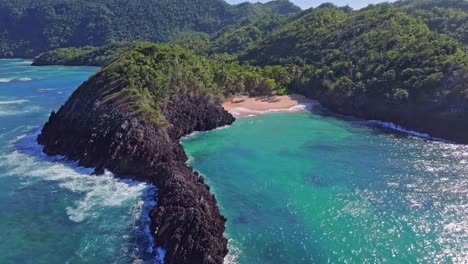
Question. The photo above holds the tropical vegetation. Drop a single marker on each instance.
(29, 27)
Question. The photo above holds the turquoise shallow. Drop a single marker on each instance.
(316, 188)
(296, 188)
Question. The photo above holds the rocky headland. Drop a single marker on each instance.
(120, 121)
(446, 119)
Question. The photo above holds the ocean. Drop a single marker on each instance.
(314, 187)
(308, 187)
(53, 211)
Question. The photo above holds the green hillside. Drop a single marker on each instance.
(153, 73)
(379, 52)
(90, 56)
(28, 27)
(448, 17)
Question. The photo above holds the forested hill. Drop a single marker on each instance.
(380, 51)
(29, 27)
(385, 62)
(448, 17)
(405, 62)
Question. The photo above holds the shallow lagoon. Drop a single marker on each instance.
(312, 187)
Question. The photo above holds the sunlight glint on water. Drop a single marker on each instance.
(314, 188)
(296, 188)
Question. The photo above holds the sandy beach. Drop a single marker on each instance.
(243, 106)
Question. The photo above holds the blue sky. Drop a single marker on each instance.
(356, 4)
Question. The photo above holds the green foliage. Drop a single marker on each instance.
(282, 7)
(403, 53)
(239, 38)
(28, 27)
(196, 41)
(150, 74)
(282, 91)
(448, 17)
(379, 52)
(91, 56)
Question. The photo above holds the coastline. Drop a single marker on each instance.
(103, 137)
(244, 106)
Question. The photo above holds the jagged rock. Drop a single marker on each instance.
(102, 133)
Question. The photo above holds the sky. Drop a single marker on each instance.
(304, 4)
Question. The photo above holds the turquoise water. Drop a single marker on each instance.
(296, 188)
(316, 188)
(51, 210)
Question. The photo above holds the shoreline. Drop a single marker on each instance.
(244, 106)
(184, 202)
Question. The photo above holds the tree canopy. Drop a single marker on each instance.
(402, 62)
(380, 52)
(28, 27)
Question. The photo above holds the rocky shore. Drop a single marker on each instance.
(444, 120)
(96, 128)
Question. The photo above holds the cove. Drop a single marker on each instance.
(312, 187)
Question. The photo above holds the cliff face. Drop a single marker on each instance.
(447, 119)
(98, 127)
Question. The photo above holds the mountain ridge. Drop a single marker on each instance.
(28, 27)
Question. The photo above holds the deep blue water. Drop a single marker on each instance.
(51, 210)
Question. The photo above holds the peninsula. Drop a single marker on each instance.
(129, 118)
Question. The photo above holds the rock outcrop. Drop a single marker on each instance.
(446, 120)
(99, 127)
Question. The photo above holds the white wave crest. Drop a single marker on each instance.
(99, 191)
(13, 102)
(234, 252)
(22, 79)
(407, 131)
(7, 110)
(245, 112)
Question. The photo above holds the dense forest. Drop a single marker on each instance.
(153, 73)
(387, 51)
(28, 27)
(448, 17)
(380, 51)
(404, 62)
(383, 62)
(90, 56)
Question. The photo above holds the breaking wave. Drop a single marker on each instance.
(23, 79)
(98, 193)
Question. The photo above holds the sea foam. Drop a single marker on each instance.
(6, 80)
(12, 110)
(12, 102)
(407, 131)
(99, 192)
(234, 252)
(22, 79)
(241, 111)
